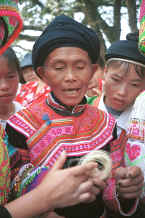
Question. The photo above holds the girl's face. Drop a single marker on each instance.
(29, 74)
(8, 81)
(122, 86)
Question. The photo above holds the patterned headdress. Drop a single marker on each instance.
(10, 23)
(142, 27)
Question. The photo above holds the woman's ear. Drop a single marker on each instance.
(105, 70)
(40, 72)
(95, 67)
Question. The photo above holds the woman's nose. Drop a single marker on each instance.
(70, 75)
(122, 90)
(4, 84)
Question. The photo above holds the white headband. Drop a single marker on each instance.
(126, 60)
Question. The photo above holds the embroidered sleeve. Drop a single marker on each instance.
(15, 138)
(27, 179)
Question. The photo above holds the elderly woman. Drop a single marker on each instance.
(80, 179)
(8, 33)
(65, 57)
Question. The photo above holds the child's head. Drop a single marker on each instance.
(124, 73)
(27, 73)
(9, 76)
(65, 57)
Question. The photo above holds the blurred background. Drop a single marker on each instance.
(111, 19)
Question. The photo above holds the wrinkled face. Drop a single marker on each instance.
(122, 86)
(8, 82)
(67, 70)
(29, 74)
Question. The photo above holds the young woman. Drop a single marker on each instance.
(9, 79)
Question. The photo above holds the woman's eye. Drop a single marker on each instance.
(59, 68)
(80, 67)
(11, 76)
(115, 79)
(135, 85)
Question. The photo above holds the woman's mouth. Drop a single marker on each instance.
(119, 101)
(6, 96)
(72, 91)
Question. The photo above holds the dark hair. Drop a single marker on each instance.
(101, 62)
(21, 78)
(139, 69)
(13, 61)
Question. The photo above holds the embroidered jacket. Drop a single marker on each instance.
(46, 128)
(28, 93)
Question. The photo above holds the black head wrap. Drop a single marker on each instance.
(126, 49)
(61, 32)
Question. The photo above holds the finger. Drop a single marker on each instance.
(83, 169)
(95, 190)
(130, 195)
(99, 183)
(89, 187)
(120, 173)
(134, 171)
(60, 162)
(131, 189)
(87, 197)
(137, 181)
(85, 187)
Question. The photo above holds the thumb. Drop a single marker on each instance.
(120, 173)
(60, 162)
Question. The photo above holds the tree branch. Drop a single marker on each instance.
(32, 27)
(21, 47)
(131, 6)
(28, 37)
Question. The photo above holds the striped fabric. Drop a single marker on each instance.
(142, 27)
(48, 133)
(76, 135)
(4, 170)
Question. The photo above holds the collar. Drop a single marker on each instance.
(62, 109)
(122, 119)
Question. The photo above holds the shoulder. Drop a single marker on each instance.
(101, 118)
(96, 110)
(17, 106)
